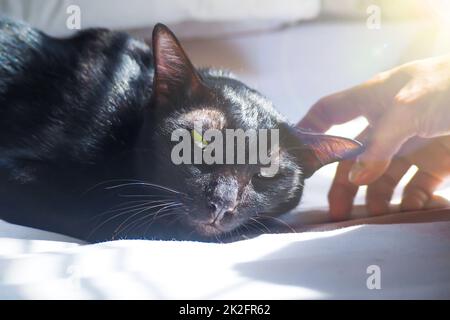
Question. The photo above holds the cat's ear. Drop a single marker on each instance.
(174, 72)
(317, 150)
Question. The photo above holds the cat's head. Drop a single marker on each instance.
(216, 198)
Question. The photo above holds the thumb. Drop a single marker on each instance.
(386, 138)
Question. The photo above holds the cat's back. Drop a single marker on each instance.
(19, 43)
(68, 98)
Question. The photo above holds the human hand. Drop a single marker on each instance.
(408, 110)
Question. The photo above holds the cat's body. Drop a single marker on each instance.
(65, 118)
(85, 124)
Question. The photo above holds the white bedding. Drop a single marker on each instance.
(414, 262)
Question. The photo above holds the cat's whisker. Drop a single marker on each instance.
(161, 216)
(262, 224)
(135, 182)
(232, 235)
(123, 204)
(110, 219)
(108, 181)
(250, 224)
(167, 196)
(280, 221)
(169, 207)
(134, 224)
(178, 216)
(135, 214)
(148, 201)
(240, 235)
(218, 239)
(123, 210)
(259, 230)
(154, 216)
(246, 228)
(146, 184)
(128, 211)
(122, 207)
(164, 209)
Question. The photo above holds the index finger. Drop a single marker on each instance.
(334, 109)
(342, 192)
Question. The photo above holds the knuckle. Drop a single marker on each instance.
(379, 78)
(401, 102)
(403, 119)
(416, 192)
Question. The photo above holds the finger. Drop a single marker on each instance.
(430, 155)
(342, 192)
(379, 193)
(334, 109)
(419, 191)
(437, 202)
(365, 99)
(387, 137)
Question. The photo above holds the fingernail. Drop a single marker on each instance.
(357, 173)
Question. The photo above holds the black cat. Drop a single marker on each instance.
(85, 140)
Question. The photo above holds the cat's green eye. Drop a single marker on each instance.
(198, 139)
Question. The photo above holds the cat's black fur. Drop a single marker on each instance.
(85, 126)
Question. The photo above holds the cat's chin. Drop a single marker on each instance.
(209, 230)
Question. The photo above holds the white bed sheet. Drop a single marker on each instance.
(414, 262)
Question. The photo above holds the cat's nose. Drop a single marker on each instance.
(220, 212)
